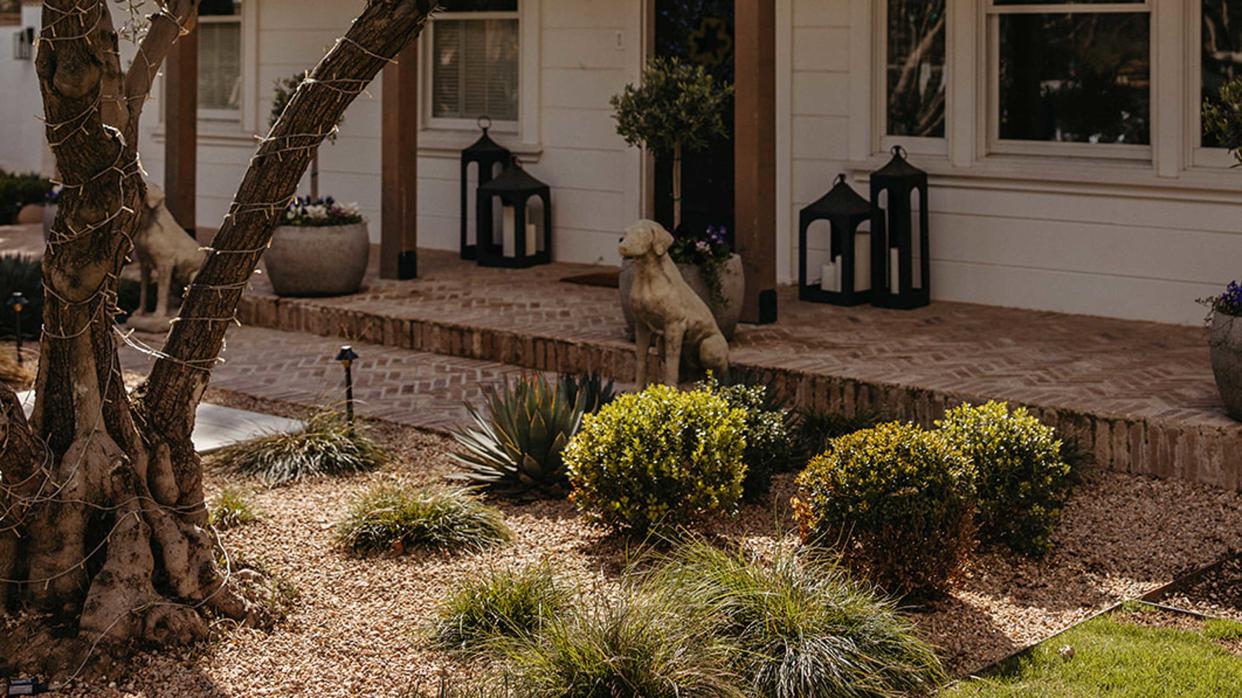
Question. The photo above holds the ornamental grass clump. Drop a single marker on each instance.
(399, 519)
(503, 604)
(1021, 480)
(231, 508)
(799, 626)
(329, 445)
(641, 645)
(659, 459)
(895, 501)
(515, 446)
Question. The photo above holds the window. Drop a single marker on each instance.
(1221, 59)
(915, 68)
(219, 59)
(475, 61)
(1070, 72)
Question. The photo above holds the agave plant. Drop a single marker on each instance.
(595, 393)
(515, 448)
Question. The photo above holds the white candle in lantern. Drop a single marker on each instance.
(862, 261)
(532, 241)
(509, 232)
(894, 270)
(828, 277)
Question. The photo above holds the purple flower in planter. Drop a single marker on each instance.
(1228, 303)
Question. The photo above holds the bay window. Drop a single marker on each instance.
(475, 63)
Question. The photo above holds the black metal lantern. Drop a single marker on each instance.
(840, 279)
(488, 155)
(523, 240)
(900, 259)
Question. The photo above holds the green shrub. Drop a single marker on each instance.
(328, 445)
(813, 430)
(897, 503)
(18, 190)
(230, 509)
(503, 604)
(399, 519)
(638, 646)
(1021, 481)
(767, 443)
(658, 459)
(516, 448)
(800, 627)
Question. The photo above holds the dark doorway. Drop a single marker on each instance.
(701, 32)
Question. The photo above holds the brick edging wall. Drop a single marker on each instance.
(1160, 448)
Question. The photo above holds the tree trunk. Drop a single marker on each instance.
(102, 520)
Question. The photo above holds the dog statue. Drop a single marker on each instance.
(664, 304)
(165, 251)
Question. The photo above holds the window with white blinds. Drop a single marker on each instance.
(476, 61)
(219, 58)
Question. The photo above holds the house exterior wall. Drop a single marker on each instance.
(1135, 240)
(21, 141)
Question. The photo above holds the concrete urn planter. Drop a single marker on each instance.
(318, 261)
(732, 284)
(1226, 342)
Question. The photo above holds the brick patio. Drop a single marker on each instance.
(1139, 395)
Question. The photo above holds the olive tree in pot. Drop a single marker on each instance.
(321, 247)
(679, 108)
(1222, 118)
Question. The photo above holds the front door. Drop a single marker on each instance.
(701, 32)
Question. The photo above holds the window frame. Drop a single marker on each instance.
(990, 104)
(230, 116)
(884, 142)
(1199, 155)
(432, 122)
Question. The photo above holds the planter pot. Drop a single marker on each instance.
(1226, 342)
(732, 284)
(49, 217)
(30, 214)
(325, 261)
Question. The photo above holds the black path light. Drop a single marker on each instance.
(897, 245)
(847, 268)
(523, 242)
(347, 356)
(488, 156)
(17, 303)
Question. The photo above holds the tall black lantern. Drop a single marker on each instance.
(520, 242)
(844, 210)
(900, 259)
(489, 156)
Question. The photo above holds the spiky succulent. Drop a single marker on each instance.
(514, 448)
(595, 393)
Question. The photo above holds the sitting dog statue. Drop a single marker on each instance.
(165, 251)
(664, 304)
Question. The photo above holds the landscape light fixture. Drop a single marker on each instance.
(347, 356)
(17, 303)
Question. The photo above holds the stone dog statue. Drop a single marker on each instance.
(165, 251)
(664, 304)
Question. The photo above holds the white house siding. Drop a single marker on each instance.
(21, 135)
(1145, 250)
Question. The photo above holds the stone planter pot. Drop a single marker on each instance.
(732, 283)
(318, 261)
(1226, 341)
(49, 217)
(30, 214)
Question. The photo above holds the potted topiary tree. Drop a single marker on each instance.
(679, 108)
(1223, 119)
(322, 247)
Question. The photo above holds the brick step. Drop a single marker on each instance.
(1180, 446)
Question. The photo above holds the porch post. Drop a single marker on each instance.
(399, 166)
(181, 130)
(755, 154)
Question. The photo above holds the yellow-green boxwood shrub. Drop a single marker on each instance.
(1021, 480)
(661, 458)
(897, 503)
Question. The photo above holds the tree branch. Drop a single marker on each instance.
(174, 18)
(176, 383)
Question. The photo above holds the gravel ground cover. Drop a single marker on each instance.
(1218, 594)
(360, 627)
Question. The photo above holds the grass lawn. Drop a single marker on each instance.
(1139, 652)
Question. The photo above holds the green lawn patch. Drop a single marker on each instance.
(1130, 654)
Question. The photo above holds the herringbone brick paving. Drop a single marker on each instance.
(1139, 395)
(415, 388)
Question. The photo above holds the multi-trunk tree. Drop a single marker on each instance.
(102, 521)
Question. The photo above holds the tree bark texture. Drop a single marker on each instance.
(102, 519)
